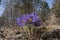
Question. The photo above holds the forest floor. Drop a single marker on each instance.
(54, 27)
(16, 33)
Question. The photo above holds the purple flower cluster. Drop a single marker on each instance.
(32, 18)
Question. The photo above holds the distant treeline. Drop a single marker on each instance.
(16, 8)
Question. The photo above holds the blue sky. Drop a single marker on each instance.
(2, 6)
(3, 3)
(50, 2)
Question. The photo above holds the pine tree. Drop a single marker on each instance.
(27, 6)
(44, 10)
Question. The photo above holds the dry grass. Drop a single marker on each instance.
(35, 33)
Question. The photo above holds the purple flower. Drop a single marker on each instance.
(21, 21)
(37, 23)
(35, 19)
(32, 18)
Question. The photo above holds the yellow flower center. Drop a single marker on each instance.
(30, 19)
